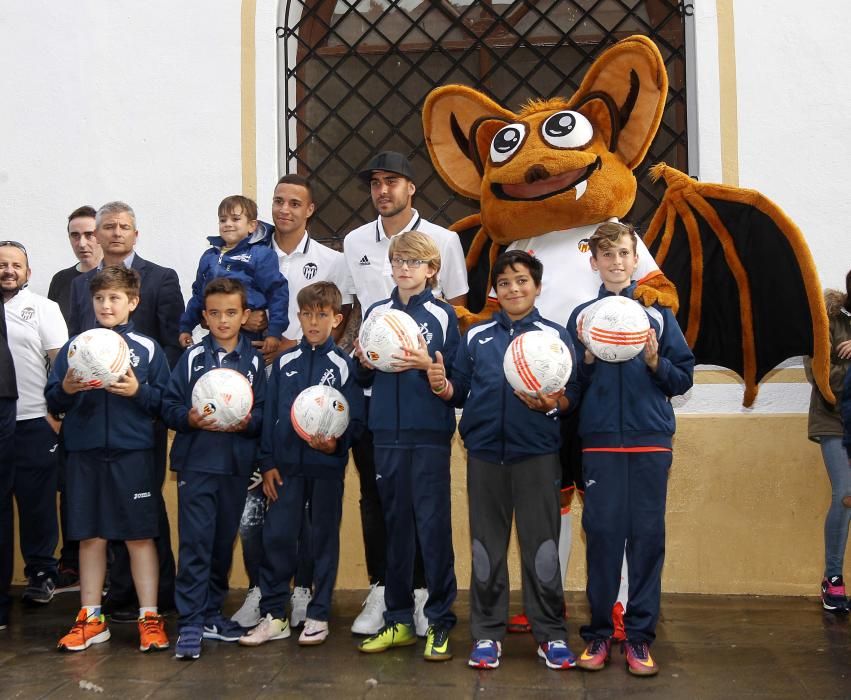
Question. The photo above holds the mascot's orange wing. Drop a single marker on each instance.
(749, 293)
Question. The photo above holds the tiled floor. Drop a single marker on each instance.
(707, 647)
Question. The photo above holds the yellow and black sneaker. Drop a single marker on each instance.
(396, 634)
(437, 644)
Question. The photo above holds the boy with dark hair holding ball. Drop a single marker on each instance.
(214, 465)
(110, 484)
(304, 473)
(627, 423)
(513, 469)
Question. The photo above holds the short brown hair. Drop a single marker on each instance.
(246, 206)
(79, 213)
(419, 246)
(607, 235)
(320, 295)
(118, 277)
(226, 285)
(298, 180)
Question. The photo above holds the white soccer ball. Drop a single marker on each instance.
(320, 410)
(537, 361)
(223, 394)
(386, 333)
(99, 355)
(614, 328)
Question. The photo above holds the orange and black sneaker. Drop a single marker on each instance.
(638, 659)
(595, 655)
(152, 636)
(87, 630)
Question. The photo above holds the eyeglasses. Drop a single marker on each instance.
(412, 264)
(15, 244)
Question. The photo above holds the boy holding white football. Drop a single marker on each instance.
(412, 428)
(626, 423)
(256, 267)
(214, 460)
(513, 468)
(110, 484)
(303, 469)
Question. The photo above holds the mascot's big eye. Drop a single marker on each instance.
(567, 130)
(506, 142)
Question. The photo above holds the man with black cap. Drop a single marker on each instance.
(391, 184)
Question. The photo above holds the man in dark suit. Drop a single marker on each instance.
(157, 316)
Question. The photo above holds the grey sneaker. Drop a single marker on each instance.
(40, 589)
(420, 619)
(301, 597)
(248, 615)
(371, 618)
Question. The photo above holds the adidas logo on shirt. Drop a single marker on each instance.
(364, 260)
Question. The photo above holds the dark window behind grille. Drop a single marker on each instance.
(356, 73)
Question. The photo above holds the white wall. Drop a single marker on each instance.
(794, 91)
(120, 100)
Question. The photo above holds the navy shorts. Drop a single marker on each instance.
(111, 494)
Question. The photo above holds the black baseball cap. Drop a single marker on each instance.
(392, 162)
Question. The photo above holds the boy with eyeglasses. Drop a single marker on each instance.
(412, 428)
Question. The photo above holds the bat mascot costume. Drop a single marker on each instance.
(547, 176)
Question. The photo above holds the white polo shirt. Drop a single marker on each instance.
(310, 262)
(35, 325)
(568, 279)
(367, 248)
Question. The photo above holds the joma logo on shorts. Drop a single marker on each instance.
(144, 494)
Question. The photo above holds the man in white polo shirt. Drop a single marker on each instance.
(391, 185)
(36, 332)
(302, 261)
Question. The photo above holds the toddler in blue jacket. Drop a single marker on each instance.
(626, 423)
(256, 267)
(214, 465)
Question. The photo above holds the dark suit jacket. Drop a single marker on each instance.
(158, 313)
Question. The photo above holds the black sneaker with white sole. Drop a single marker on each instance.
(40, 589)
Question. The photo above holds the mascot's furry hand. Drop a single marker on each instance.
(657, 289)
(467, 318)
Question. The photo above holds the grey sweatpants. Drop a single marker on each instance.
(528, 490)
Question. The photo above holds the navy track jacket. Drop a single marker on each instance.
(211, 451)
(625, 404)
(403, 409)
(496, 425)
(96, 419)
(301, 367)
(256, 267)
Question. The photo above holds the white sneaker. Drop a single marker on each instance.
(300, 598)
(314, 632)
(371, 618)
(249, 614)
(420, 619)
(269, 629)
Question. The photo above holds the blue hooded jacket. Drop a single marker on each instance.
(97, 419)
(496, 425)
(625, 404)
(256, 267)
(403, 409)
(211, 451)
(296, 370)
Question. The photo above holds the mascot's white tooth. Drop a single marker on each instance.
(580, 189)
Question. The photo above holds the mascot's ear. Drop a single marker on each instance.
(629, 83)
(452, 116)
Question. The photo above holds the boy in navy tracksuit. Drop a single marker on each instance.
(110, 483)
(255, 266)
(626, 424)
(214, 465)
(301, 473)
(513, 468)
(412, 428)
